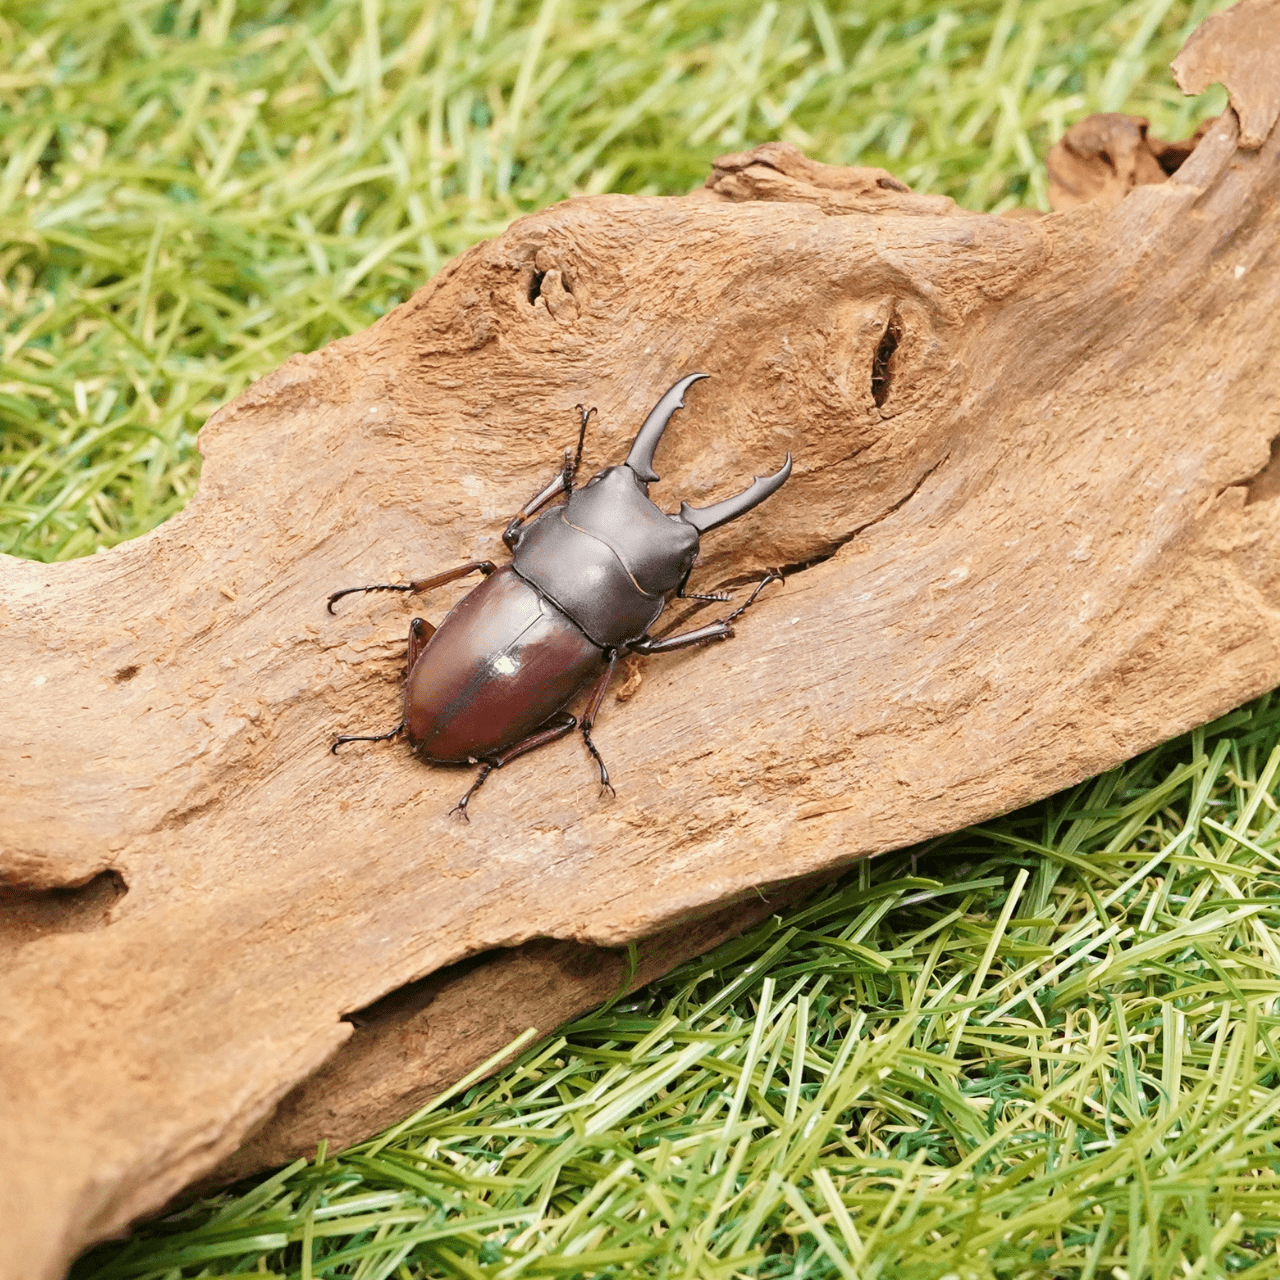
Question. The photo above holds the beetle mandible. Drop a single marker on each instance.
(587, 580)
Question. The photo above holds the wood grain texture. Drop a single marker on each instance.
(1039, 537)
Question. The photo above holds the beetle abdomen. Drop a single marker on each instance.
(501, 664)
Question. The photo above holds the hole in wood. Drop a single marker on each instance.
(409, 1000)
(1266, 484)
(535, 285)
(126, 673)
(28, 914)
(882, 363)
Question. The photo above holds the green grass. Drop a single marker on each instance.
(1048, 1047)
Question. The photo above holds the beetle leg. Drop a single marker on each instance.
(571, 469)
(771, 575)
(717, 596)
(554, 489)
(563, 483)
(361, 737)
(420, 632)
(559, 724)
(461, 806)
(722, 630)
(589, 720)
(669, 644)
(422, 584)
(555, 728)
(451, 575)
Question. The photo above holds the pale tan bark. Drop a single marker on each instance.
(1033, 493)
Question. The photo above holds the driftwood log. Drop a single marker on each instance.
(1033, 529)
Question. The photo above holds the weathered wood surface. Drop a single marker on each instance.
(1042, 535)
(403, 1051)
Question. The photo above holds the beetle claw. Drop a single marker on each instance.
(640, 459)
(704, 519)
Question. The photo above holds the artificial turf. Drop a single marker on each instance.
(1047, 1047)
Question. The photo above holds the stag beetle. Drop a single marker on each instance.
(587, 580)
